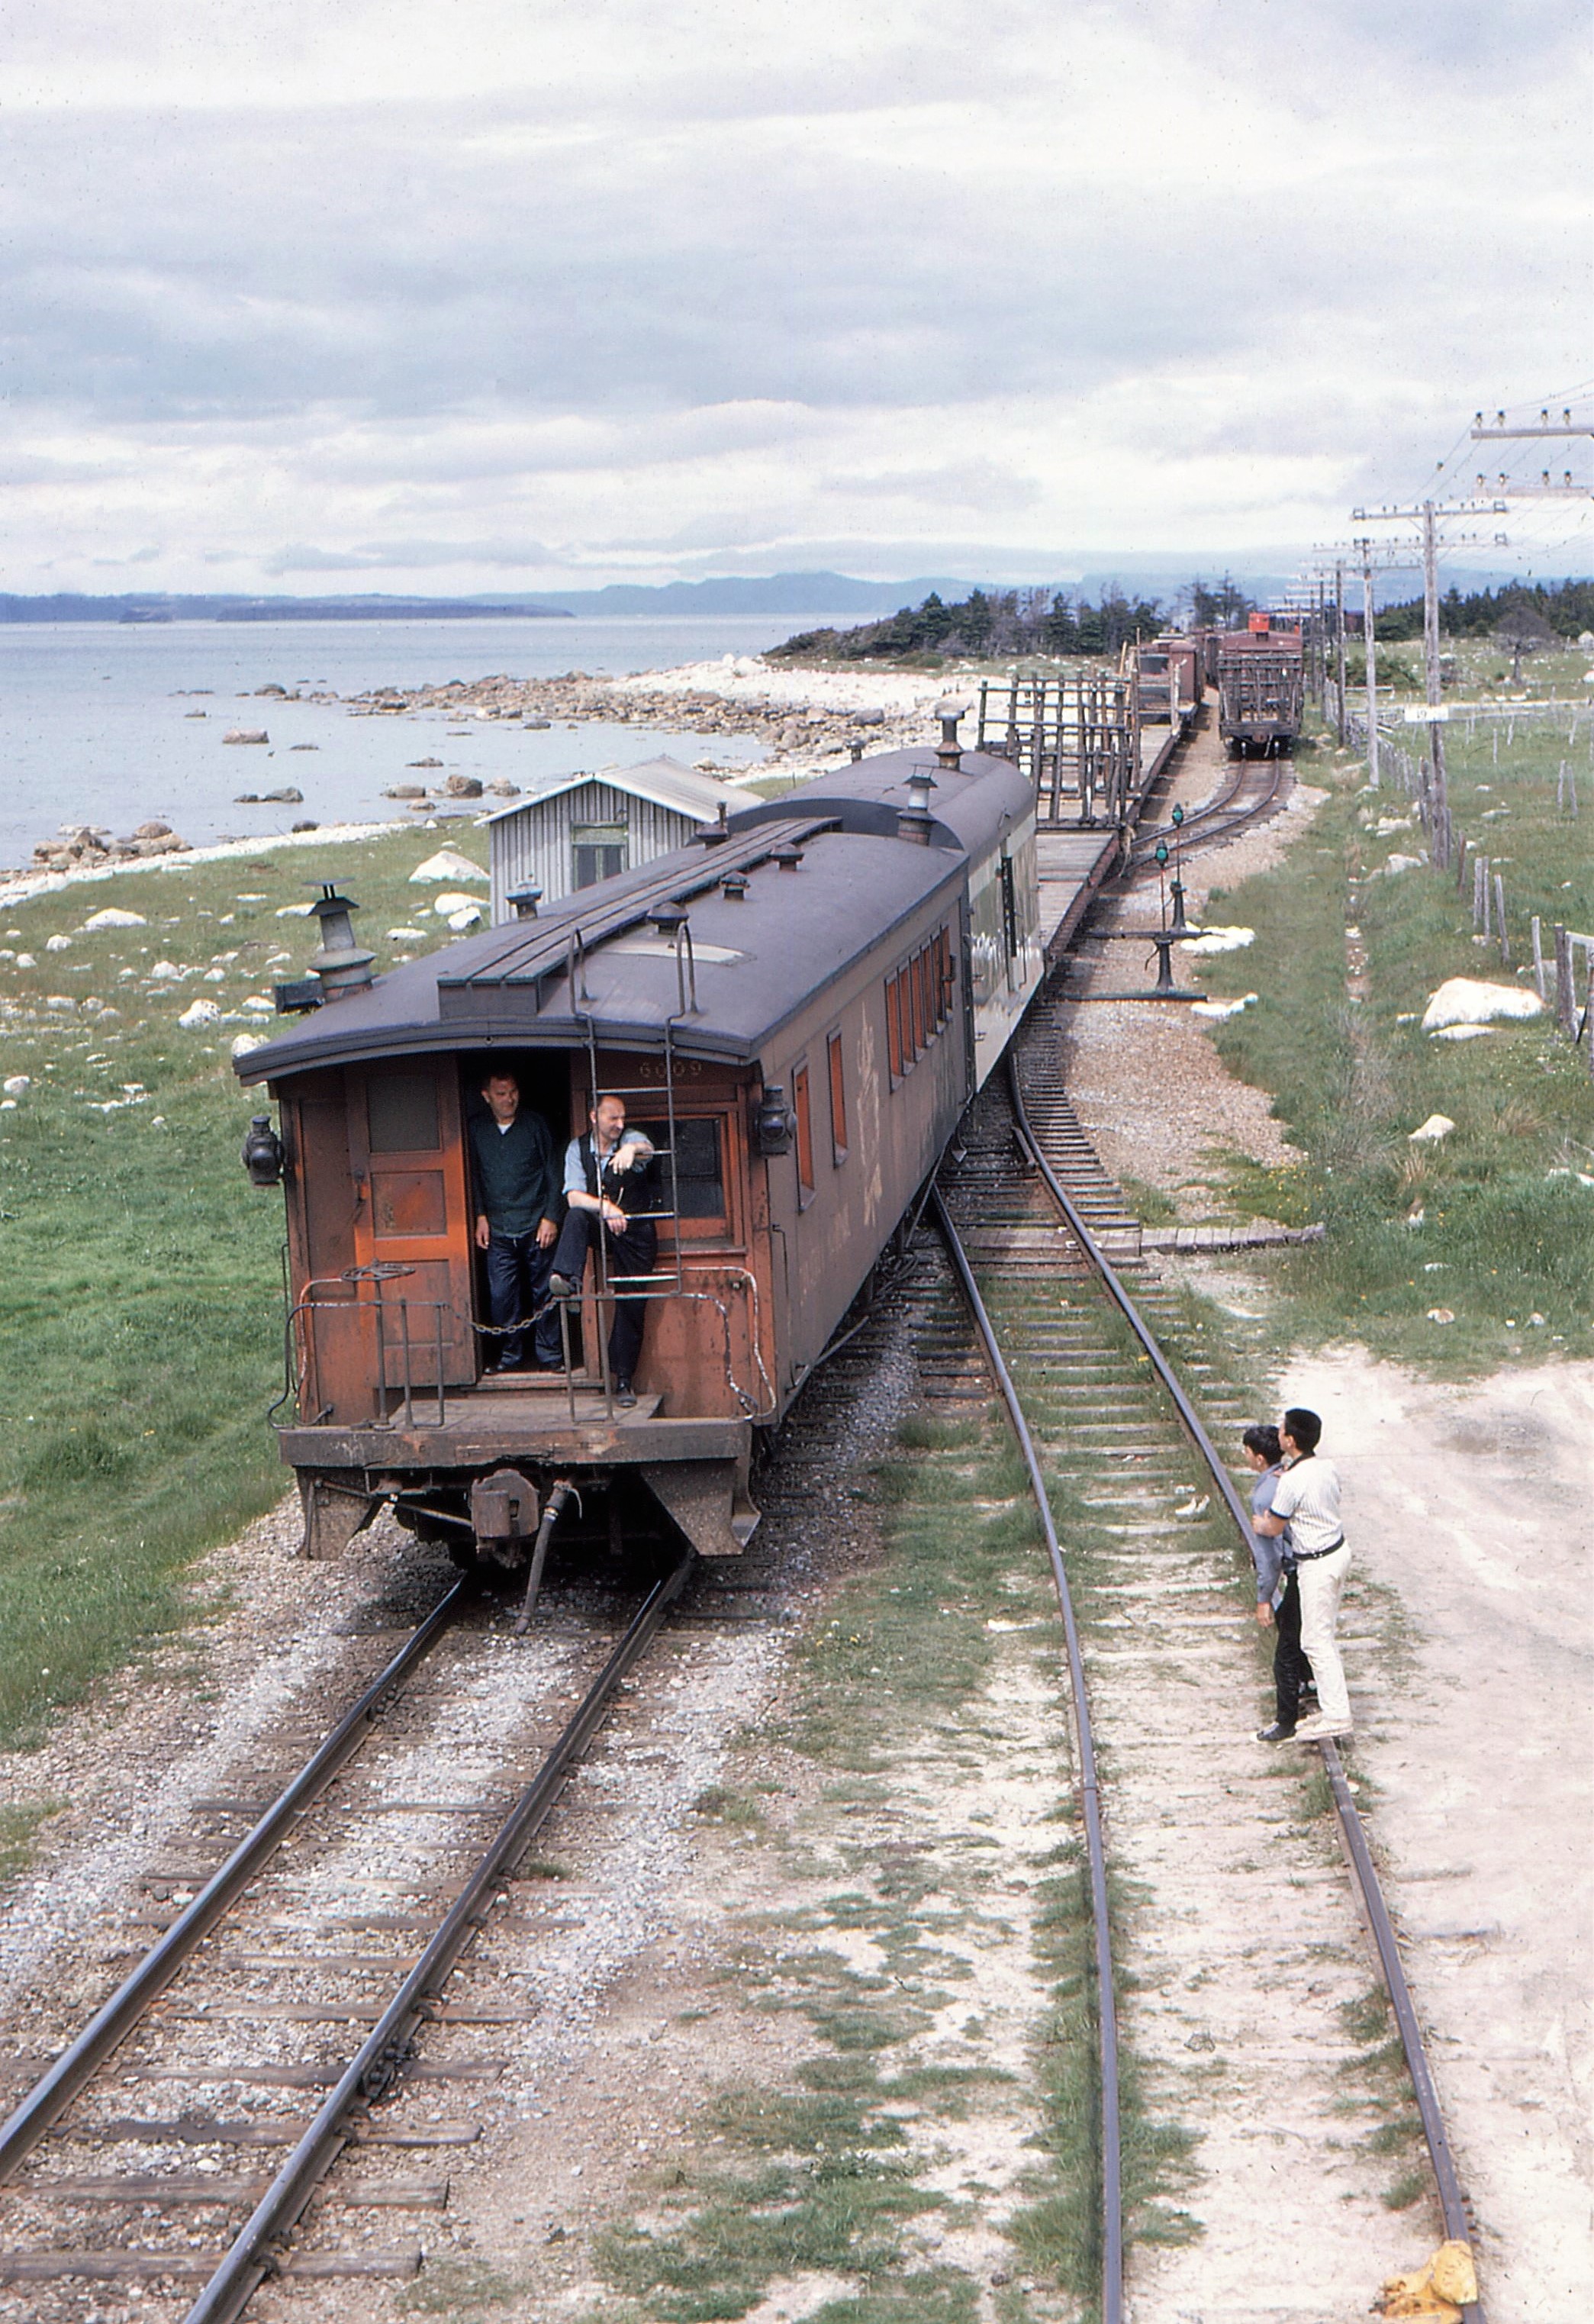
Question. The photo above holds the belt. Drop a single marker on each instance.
(1305, 1556)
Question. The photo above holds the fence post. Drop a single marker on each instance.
(1589, 1012)
(1565, 1006)
(1500, 921)
(1462, 865)
(1538, 958)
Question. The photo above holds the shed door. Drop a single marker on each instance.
(412, 1206)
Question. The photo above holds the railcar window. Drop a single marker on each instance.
(894, 1027)
(401, 1113)
(838, 1101)
(1010, 908)
(699, 1165)
(805, 1134)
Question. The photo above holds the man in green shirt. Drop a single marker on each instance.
(516, 1187)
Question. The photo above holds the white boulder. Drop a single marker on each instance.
(1212, 940)
(199, 1013)
(448, 863)
(1437, 1126)
(1469, 1001)
(113, 919)
(58, 943)
(17, 1085)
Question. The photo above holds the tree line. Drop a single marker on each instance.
(1541, 609)
(992, 625)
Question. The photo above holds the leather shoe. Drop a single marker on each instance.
(1275, 1734)
(625, 1393)
(561, 1287)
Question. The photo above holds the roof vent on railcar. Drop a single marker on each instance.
(524, 899)
(342, 965)
(790, 859)
(733, 887)
(914, 820)
(949, 751)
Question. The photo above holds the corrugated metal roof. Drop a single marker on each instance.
(762, 958)
(663, 780)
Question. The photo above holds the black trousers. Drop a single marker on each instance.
(631, 1253)
(516, 1285)
(1291, 1669)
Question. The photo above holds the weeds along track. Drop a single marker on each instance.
(277, 2025)
(1242, 1973)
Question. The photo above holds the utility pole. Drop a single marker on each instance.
(1340, 649)
(1370, 656)
(1429, 513)
(1439, 795)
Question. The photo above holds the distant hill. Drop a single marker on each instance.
(776, 592)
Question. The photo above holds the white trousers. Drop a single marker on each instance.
(1321, 1581)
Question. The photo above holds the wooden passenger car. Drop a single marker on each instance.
(797, 1008)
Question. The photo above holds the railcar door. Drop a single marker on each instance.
(411, 1210)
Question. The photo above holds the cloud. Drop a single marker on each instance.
(391, 291)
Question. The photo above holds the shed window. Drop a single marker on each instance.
(838, 1101)
(598, 849)
(805, 1135)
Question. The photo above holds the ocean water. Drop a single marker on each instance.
(94, 723)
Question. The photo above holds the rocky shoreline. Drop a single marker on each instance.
(805, 720)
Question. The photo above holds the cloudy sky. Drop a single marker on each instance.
(483, 294)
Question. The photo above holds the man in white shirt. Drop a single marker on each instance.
(1306, 1499)
(611, 1186)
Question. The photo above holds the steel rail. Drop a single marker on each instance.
(132, 1999)
(1089, 1792)
(256, 2252)
(1204, 824)
(1452, 2204)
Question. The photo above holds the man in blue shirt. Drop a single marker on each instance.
(517, 1201)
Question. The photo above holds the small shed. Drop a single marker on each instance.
(582, 827)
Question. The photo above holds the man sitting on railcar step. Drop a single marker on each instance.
(610, 1180)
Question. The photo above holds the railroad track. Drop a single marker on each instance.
(330, 1929)
(1111, 1433)
(1250, 789)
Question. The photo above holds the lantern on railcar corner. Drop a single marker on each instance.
(772, 1128)
(264, 1154)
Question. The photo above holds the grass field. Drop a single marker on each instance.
(1496, 1222)
(141, 1311)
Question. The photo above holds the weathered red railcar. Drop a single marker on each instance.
(797, 1009)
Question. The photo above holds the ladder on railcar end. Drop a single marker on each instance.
(660, 1284)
